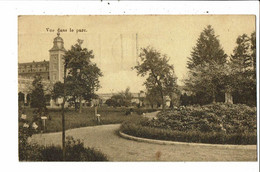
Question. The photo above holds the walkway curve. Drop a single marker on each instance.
(105, 139)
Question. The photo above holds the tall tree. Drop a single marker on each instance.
(80, 80)
(243, 69)
(205, 64)
(83, 76)
(253, 52)
(160, 74)
(241, 61)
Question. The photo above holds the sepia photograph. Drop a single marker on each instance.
(137, 88)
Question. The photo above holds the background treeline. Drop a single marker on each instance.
(212, 73)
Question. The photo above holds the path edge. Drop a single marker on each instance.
(166, 142)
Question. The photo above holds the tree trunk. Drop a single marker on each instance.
(95, 110)
(163, 105)
(228, 97)
(80, 104)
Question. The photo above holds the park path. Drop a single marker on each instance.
(105, 139)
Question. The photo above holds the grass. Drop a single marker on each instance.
(73, 119)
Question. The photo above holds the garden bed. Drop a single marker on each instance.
(218, 124)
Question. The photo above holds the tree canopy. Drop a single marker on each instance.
(82, 75)
(159, 73)
(206, 66)
(37, 93)
(122, 98)
(243, 69)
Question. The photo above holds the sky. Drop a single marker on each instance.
(115, 40)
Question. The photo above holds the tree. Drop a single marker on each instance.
(80, 79)
(122, 98)
(205, 65)
(253, 52)
(126, 97)
(37, 94)
(243, 70)
(160, 75)
(58, 90)
(83, 76)
(153, 97)
(112, 102)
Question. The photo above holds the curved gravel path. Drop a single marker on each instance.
(105, 139)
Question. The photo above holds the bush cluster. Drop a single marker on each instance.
(228, 118)
(75, 151)
(216, 123)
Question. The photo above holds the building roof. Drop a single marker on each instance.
(58, 44)
(34, 63)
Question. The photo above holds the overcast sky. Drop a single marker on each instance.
(172, 35)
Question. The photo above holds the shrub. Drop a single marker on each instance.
(75, 151)
(209, 118)
(51, 153)
(190, 136)
(216, 123)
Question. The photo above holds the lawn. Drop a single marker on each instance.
(73, 119)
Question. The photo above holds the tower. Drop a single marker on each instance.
(56, 64)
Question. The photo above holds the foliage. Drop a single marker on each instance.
(160, 74)
(215, 123)
(189, 136)
(121, 99)
(206, 66)
(75, 151)
(112, 102)
(218, 117)
(153, 97)
(83, 75)
(26, 130)
(37, 94)
(243, 70)
(58, 90)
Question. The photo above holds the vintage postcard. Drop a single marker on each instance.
(137, 88)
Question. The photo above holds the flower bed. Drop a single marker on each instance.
(218, 123)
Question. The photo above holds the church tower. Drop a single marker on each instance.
(56, 64)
